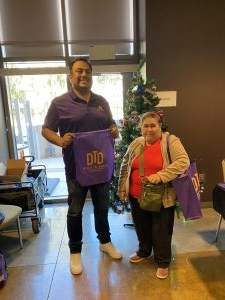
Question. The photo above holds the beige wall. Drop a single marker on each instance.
(186, 53)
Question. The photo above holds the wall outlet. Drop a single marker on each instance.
(202, 177)
(202, 182)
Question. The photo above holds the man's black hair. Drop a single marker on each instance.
(79, 59)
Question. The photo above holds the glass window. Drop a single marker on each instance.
(28, 51)
(34, 64)
(110, 86)
(62, 28)
(100, 20)
(30, 28)
(105, 22)
(30, 21)
(29, 99)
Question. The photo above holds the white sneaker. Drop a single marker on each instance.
(75, 263)
(110, 250)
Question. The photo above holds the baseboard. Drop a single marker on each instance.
(62, 199)
(208, 204)
(50, 200)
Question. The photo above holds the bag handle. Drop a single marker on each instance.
(141, 164)
(167, 148)
(168, 152)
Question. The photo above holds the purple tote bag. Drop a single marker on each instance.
(94, 157)
(187, 190)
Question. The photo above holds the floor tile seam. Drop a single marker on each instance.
(50, 219)
(201, 250)
(106, 285)
(30, 265)
(57, 259)
(194, 253)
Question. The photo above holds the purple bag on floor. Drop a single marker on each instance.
(3, 273)
(187, 190)
(94, 157)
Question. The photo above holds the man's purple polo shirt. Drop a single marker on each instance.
(68, 113)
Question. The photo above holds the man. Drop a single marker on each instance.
(80, 110)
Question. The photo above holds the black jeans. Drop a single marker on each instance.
(76, 200)
(154, 231)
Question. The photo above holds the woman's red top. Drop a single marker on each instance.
(153, 162)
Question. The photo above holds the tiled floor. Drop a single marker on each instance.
(41, 269)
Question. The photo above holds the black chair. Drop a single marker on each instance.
(219, 204)
(219, 199)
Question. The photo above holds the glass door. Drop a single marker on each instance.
(29, 99)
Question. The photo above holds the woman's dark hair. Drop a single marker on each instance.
(150, 114)
(156, 115)
(79, 59)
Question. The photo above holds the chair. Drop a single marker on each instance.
(12, 213)
(219, 200)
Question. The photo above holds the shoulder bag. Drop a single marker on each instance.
(187, 189)
(151, 194)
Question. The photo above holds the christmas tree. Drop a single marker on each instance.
(141, 98)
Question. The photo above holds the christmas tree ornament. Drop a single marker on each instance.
(134, 89)
(134, 112)
(140, 90)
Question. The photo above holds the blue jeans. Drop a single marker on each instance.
(76, 200)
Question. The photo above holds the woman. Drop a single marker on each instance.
(154, 229)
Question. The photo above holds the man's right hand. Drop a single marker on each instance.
(67, 139)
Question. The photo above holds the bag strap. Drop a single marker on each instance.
(141, 163)
(167, 148)
(141, 158)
